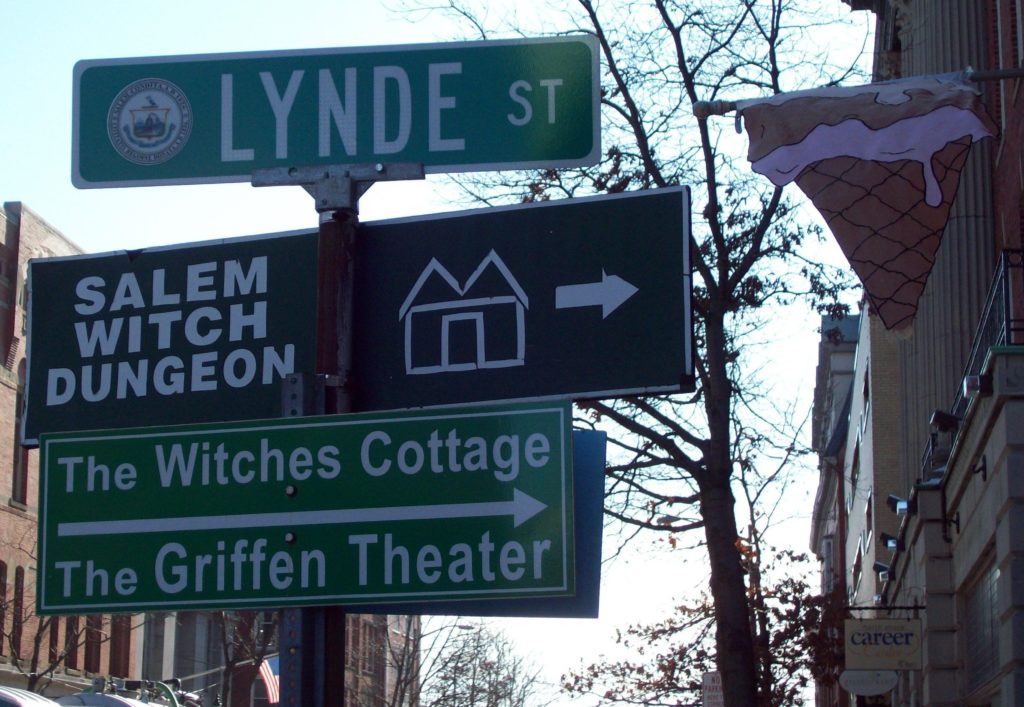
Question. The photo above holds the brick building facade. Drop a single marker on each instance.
(79, 646)
(955, 558)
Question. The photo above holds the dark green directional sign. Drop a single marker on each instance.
(584, 298)
(163, 336)
(454, 504)
(451, 107)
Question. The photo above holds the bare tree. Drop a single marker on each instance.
(39, 646)
(35, 654)
(478, 667)
(414, 649)
(677, 457)
(667, 659)
(787, 618)
(454, 661)
(247, 638)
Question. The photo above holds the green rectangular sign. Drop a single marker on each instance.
(200, 332)
(400, 506)
(461, 106)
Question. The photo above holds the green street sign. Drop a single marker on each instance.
(200, 332)
(398, 507)
(463, 106)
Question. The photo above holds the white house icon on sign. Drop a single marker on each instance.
(452, 327)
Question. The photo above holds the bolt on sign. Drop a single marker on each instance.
(398, 506)
(191, 333)
(883, 644)
(462, 106)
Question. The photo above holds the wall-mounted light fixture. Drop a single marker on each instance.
(942, 421)
(977, 386)
(891, 542)
(897, 505)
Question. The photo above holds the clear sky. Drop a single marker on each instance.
(43, 39)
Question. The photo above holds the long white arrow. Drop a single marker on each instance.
(522, 507)
(609, 292)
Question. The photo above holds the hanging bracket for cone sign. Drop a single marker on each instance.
(337, 187)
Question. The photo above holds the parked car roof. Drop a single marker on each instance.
(97, 699)
(15, 697)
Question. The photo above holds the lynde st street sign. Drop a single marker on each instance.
(584, 298)
(399, 506)
(162, 336)
(462, 106)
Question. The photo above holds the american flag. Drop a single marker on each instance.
(270, 672)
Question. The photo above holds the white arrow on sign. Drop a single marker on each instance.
(609, 293)
(522, 507)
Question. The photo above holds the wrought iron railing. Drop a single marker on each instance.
(1001, 324)
(998, 326)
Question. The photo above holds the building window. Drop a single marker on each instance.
(23, 300)
(869, 516)
(18, 609)
(858, 572)
(93, 639)
(828, 578)
(3, 607)
(71, 642)
(1008, 51)
(267, 627)
(1015, 30)
(981, 639)
(854, 475)
(352, 625)
(120, 645)
(865, 408)
(54, 639)
(19, 484)
(376, 663)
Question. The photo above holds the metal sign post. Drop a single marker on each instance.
(312, 640)
(336, 191)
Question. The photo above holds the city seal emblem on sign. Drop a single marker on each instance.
(149, 121)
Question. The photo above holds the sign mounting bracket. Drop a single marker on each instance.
(337, 187)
